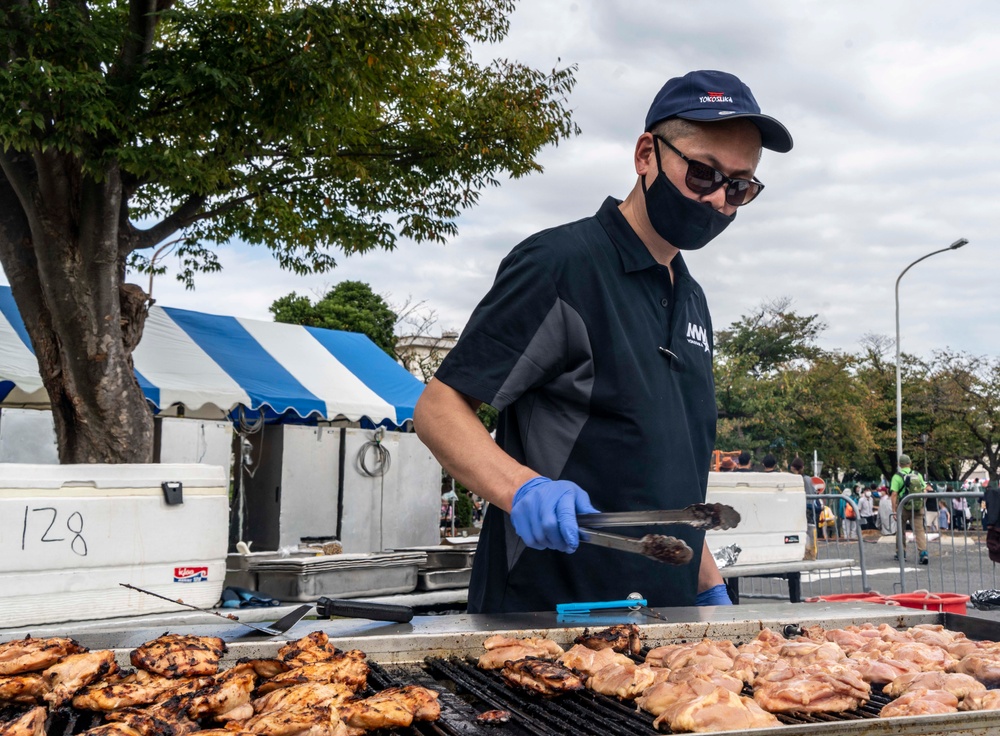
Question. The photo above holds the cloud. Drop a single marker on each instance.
(893, 114)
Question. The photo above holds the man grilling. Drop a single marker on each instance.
(595, 343)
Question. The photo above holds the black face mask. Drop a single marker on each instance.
(685, 223)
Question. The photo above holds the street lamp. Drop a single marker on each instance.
(899, 379)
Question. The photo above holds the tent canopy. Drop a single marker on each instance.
(201, 360)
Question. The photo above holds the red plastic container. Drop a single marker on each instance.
(950, 602)
(872, 597)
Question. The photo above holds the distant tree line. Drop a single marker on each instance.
(779, 392)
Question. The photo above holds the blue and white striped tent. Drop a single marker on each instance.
(201, 361)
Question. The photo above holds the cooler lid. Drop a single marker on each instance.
(97, 479)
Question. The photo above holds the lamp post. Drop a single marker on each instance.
(899, 378)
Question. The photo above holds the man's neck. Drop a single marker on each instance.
(633, 209)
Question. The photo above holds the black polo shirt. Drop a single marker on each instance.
(602, 372)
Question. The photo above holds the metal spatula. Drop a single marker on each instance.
(278, 627)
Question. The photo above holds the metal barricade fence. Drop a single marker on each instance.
(832, 546)
(957, 558)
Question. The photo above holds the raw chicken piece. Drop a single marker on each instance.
(31, 723)
(921, 702)
(983, 665)
(956, 683)
(663, 695)
(748, 665)
(818, 688)
(622, 638)
(767, 641)
(176, 655)
(395, 707)
(348, 668)
(804, 652)
(75, 672)
(934, 634)
(719, 710)
(720, 654)
(541, 676)
(846, 640)
(498, 641)
(588, 661)
(31, 655)
(309, 693)
(880, 668)
(984, 700)
(625, 681)
(707, 672)
(25, 689)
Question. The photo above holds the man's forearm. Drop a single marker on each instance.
(446, 421)
(708, 574)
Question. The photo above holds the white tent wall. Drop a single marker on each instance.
(307, 482)
(29, 436)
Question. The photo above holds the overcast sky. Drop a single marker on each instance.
(895, 117)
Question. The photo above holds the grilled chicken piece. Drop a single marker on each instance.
(493, 717)
(31, 723)
(588, 661)
(156, 720)
(227, 698)
(25, 689)
(501, 649)
(622, 638)
(541, 676)
(921, 702)
(956, 683)
(307, 720)
(309, 693)
(176, 655)
(720, 654)
(32, 655)
(111, 729)
(137, 688)
(984, 700)
(348, 668)
(265, 668)
(719, 710)
(75, 672)
(626, 681)
(395, 707)
(315, 647)
(820, 688)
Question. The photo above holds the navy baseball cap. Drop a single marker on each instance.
(708, 96)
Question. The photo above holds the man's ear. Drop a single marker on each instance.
(645, 157)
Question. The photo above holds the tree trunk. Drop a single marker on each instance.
(59, 247)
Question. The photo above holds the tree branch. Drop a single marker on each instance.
(187, 213)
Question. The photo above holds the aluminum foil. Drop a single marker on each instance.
(727, 556)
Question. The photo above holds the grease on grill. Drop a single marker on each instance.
(670, 550)
(494, 717)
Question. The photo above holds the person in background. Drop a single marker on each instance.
(728, 465)
(770, 463)
(886, 516)
(850, 524)
(931, 520)
(743, 462)
(959, 517)
(595, 345)
(944, 516)
(905, 481)
(813, 507)
(866, 509)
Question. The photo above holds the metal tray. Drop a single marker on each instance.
(349, 582)
(442, 579)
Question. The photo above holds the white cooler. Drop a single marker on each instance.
(70, 534)
(772, 508)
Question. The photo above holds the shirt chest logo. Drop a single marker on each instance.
(697, 335)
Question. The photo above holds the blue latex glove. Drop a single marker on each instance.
(717, 596)
(544, 513)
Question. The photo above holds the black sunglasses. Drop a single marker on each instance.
(704, 179)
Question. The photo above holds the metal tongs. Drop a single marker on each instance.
(660, 547)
